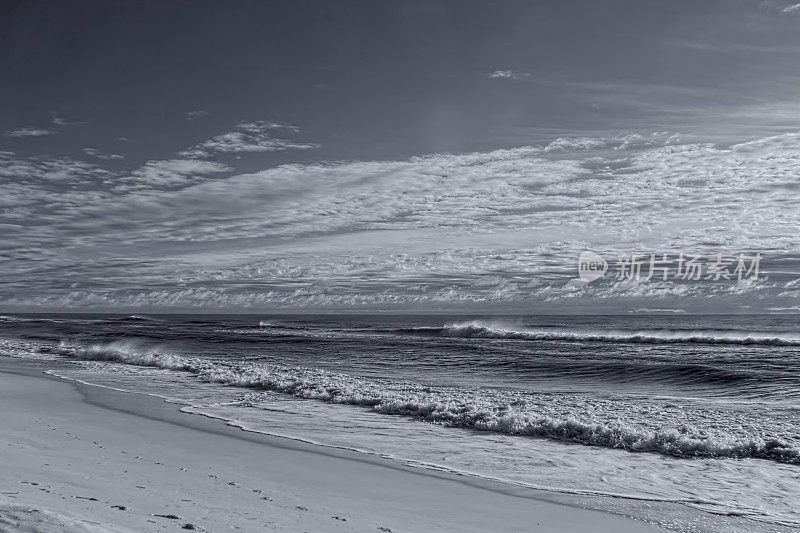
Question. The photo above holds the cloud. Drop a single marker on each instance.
(194, 115)
(501, 75)
(58, 121)
(794, 8)
(48, 170)
(41, 132)
(170, 173)
(101, 155)
(191, 166)
(508, 75)
(257, 136)
(621, 141)
(28, 132)
(574, 143)
(498, 228)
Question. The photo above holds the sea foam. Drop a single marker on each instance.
(637, 427)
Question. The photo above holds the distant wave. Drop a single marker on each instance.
(501, 411)
(264, 328)
(11, 318)
(493, 330)
(268, 324)
(138, 318)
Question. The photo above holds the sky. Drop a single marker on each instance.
(397, 155)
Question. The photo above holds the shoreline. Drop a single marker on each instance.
(330, 489)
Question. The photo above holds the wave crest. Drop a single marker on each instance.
(131, 352)
(492, 330)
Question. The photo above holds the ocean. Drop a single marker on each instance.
(640, 415)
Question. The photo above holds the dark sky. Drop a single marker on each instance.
(391, 79)
(243, 136)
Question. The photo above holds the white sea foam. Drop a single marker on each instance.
(640, 427)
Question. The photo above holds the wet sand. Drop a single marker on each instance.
(82, 458)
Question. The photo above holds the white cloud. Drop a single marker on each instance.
(101, 155)
(447, 229)
(574, 143)
(194, 115)
(257, 136)
(29, 132)
(190, 166)
(508, 75)
(794, 8)
(171, 173)
(42, 169)
(58, 121)
(501, 75)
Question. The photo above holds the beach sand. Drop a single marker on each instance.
(81, 458)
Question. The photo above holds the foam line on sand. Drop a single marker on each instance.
(82, 458)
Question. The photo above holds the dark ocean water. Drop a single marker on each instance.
(555, 402)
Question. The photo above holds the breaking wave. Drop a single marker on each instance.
(493, 330)
(578, 419)
(138, 318)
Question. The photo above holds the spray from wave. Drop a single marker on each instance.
(131, 352)
(581, 420)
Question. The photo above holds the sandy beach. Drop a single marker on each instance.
(84, 458)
